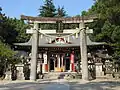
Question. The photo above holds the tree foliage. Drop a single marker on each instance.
(48, 9)
(6, 55)
(107, 27)
(11, 30)
(5, 51)
(61, 12)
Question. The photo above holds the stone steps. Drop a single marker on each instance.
(59, 75)
(51, 75)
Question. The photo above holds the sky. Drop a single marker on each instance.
(15, 8)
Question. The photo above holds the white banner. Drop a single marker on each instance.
(45, 58)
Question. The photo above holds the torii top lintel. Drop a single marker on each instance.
(63, 19)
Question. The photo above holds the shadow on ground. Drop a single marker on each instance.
(65, 85)
(102, 85)
(22, 86)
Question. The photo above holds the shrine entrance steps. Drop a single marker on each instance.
(59, 75)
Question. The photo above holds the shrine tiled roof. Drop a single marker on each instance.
(74, 42)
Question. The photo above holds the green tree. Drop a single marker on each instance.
(61, 12)
(48, 9)
(107, 27)
(11, 30)
(6, 55)
(20, 27)
(84, 13)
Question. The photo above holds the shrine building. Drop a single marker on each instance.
(58, 49)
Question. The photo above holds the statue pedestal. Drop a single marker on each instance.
(98, 70)
(20, 74)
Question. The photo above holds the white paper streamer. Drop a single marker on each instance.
(50, 40)
(76, 35)
(68, 39)
(41, 36)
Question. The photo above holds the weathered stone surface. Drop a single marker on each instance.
(20, 74)
(99, 71)
(8, 75)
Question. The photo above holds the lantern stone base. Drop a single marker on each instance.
(99, 71)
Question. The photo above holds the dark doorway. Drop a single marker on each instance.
(67, 64)
(51, 64)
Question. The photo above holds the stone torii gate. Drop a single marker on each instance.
(35, 33)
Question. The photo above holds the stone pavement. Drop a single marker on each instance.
(79, 81)
(3, 82)
(61, 84)
(98, 84)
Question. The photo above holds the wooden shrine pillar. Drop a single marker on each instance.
(58, 58)
(72, 66)
(34, 53)
(62, 63)
(83, 49)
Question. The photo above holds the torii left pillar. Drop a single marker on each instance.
(83, 49)
(34, 51)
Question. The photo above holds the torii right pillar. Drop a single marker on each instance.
(83, 51)
(34, 51)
